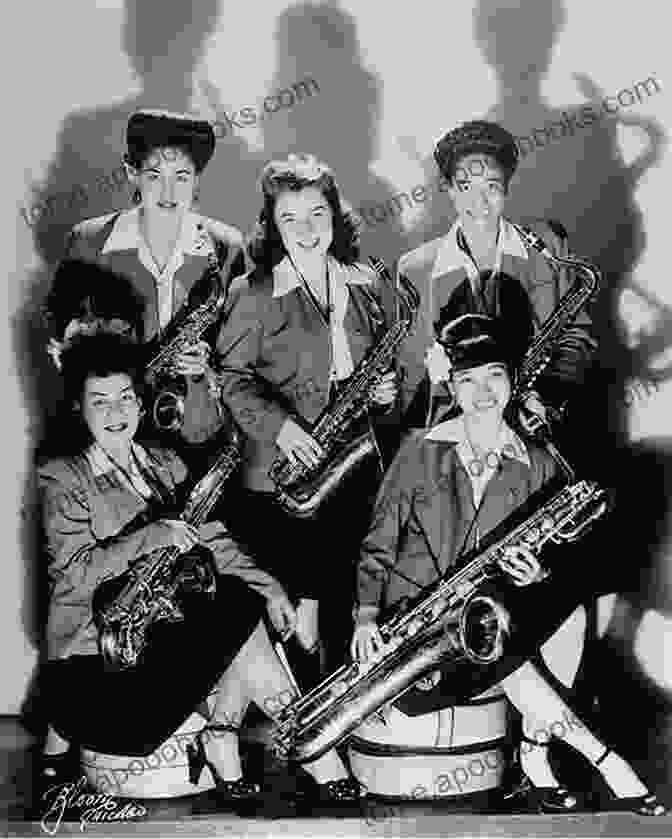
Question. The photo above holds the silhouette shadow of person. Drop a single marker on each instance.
(86, 179)
(319, 40)
(572, 170)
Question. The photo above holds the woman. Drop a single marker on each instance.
(443, 493)
(164, 246)
(299, 324)
(108, 503)
(483, 266)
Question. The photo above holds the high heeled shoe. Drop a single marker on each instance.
(337, 791)
(340, 791)
(556, 799)
(237, 790)
(647, 804)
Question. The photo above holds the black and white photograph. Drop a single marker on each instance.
(337, 496)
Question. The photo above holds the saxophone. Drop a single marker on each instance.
(449, 621)
(300, 489)
(540, 351)
(125, 607)
(200, 311)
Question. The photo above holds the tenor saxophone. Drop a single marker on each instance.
(301, 489)
(451, 620)
(125, 607)
(584, 289)
(200, 311)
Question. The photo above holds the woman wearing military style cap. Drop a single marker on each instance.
(483, 265)
(164, 246)
(446, 490)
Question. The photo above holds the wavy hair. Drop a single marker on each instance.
(101, 354)
(293, 174)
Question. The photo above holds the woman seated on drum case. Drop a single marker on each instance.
(105, 503)
(444, 491)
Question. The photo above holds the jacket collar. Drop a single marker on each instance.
(286, 279)
(125, 234)
(101, 463)
(450, 255)
(453, 431)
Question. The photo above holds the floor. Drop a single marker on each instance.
(200, 815)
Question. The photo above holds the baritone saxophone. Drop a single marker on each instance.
(452, 619)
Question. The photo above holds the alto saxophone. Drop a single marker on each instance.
(540, 351)
(125, 607)
(183, 332)
(301, 489)
(450, 621)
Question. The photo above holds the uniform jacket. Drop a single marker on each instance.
(422, 516)
(436, 270)
(277, 355)
(86, 506)
(113, 241)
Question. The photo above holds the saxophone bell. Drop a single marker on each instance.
(168, 409)
(484, 625)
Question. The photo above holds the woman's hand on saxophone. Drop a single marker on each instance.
(532, 413)
(282, 614)
(366, 641)
(194, 361)
(298, 445)
(522, 566)
(169, 533)
(385, 391)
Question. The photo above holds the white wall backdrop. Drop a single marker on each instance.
(383, 82)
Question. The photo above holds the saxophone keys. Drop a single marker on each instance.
(338, 689)
(532, 536)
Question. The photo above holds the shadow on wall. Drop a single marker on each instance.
(581, 179)
(577, 176)
(629, 666)
(84, 180)
(340, 126)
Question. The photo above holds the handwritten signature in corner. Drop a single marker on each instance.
(93, 806)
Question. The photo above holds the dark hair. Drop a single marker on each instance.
(150, 130)
(476, 137)
(85, 291)
(295, 173)
(102, 354)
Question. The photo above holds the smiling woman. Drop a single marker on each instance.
(109, 506)
(298, 326)
(165, 248)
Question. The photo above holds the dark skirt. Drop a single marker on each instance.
(536, 612)
(131, 712)
(314, 558)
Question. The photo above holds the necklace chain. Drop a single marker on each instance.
(324, 312)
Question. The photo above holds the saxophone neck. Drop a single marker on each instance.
(535, 242)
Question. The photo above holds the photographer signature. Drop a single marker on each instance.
(94, 806)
